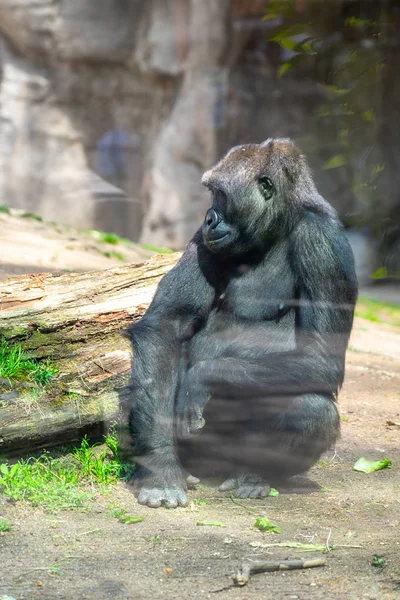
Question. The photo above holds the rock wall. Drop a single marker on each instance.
(110, 110)
(86, 85)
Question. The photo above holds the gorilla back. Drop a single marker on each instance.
(244, 342)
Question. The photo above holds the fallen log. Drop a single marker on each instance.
(75, 321)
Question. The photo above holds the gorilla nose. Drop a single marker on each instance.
(212, 219)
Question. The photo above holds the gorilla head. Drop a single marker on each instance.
(257, 191)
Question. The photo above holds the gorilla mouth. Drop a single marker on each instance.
(217, 243)
(217, 240)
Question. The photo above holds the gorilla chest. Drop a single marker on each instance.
(265, 292)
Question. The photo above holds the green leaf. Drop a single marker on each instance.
(308, 48)
(273, 492)
(336, 90)
(281, 8)
(378, 561)
(210, 524)
(269, 16)
(368, 115)
(284, 69)
(380, 273)
(376, 170)
(369, 466)
(4, 469)
(13, 470)
(263, 524)
(354, 22)
(336, 161)
(288, 43)
(131, 519)
(283, 31)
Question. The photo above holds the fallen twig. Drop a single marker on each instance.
(96, 530)
(303, 547)
(53, 567)
(266, 566)
(328, 548)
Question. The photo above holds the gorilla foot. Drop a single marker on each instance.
(247, 486)
(191, 481)
(168, 496)
(157, 490)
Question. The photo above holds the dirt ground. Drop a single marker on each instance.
(93, 555)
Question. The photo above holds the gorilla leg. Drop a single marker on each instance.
(243, 440)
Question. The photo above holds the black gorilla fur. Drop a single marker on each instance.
(249, 328)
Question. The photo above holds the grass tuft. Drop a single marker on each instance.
(31, 215)
(68, 482)
(15, 364)
(117, 255)
(47, 482)
(107, 237)
(377, 311)
(157, 249)
(4, 526)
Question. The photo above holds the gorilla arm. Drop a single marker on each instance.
(327, 289)
(182, 297)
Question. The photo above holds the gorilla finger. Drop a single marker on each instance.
(229, 484)
(259, 492)
(244, 491)
(265, 490)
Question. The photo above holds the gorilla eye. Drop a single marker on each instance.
(266, 186)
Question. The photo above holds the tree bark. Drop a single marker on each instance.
(76, 321)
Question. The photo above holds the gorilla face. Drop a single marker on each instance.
(251, 192)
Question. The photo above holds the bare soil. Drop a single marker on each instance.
(93, 555)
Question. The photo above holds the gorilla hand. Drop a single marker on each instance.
(192, 398)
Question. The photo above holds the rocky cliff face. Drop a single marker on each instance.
(86, 85)
(144, 96)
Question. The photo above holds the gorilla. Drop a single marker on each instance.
(244, 342)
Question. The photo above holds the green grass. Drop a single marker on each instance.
(378, 561)
(5, 526)
(113, 238)
(107, 237)
(202, 502)
(68, 482)
(122, 515)
(4, 209)
(157, 249)
(114, 254)
(15, 364)
(377, 311)
(30, 215)
(47, 482)
(106, 466)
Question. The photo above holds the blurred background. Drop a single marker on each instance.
(110, 110)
